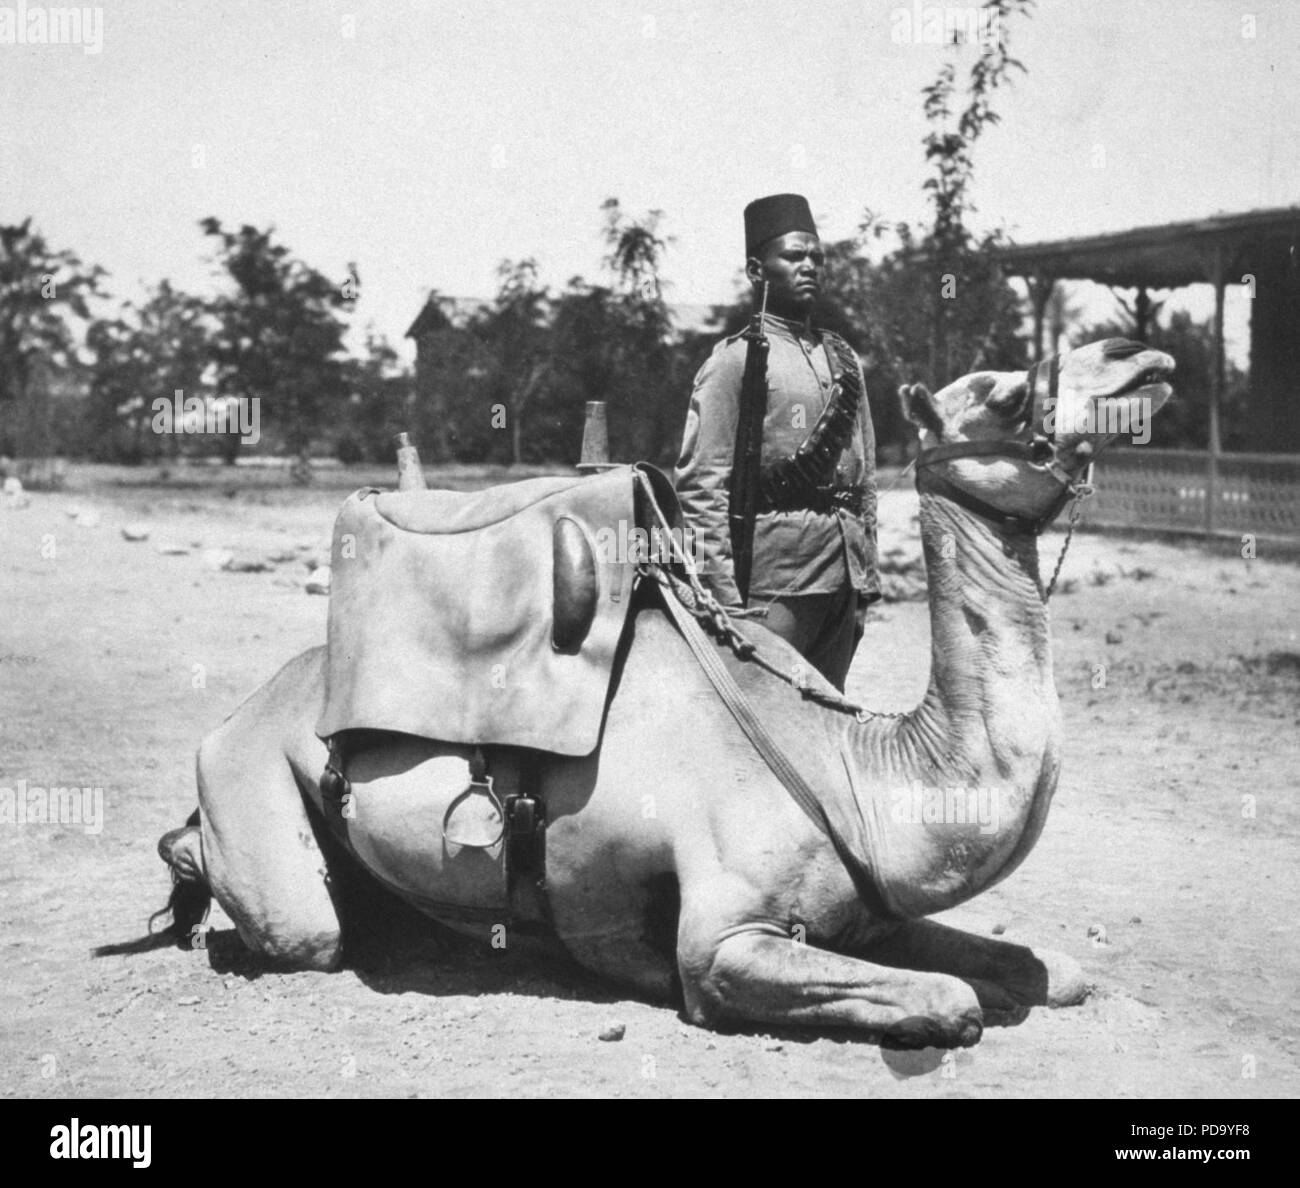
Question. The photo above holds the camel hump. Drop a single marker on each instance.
(492, 617)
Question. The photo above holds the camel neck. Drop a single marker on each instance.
(988, 726)
(990, 648)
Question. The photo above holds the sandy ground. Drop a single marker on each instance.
(115, 660)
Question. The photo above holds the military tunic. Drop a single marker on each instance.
(796, 552)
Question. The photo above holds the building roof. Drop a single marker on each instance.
(1162, 257)
(439, 312)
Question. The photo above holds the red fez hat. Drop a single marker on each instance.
(777, 214)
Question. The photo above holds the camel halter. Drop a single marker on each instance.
(1040, 452)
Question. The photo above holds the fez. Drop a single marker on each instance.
(777, 214)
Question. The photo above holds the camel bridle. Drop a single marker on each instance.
(1041, 453)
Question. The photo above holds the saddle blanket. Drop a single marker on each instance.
(491, 617)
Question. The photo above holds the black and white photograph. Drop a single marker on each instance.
(650, 549)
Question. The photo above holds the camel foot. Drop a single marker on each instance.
(191, 899)
(182, 850)
(1028, 977)
(1067, 985)
(952, 1017)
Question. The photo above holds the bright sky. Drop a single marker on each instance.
(428, 140)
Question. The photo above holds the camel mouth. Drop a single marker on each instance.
(1140, 384)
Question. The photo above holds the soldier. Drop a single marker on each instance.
(812, 523)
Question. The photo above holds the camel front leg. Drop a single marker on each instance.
(755, 973)
(1032, 977)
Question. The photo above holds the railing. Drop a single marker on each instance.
(1189, 491)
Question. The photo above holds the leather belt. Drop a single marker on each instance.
(824, 500)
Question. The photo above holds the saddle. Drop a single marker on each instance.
(489, 618)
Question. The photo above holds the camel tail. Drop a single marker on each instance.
(186, 907)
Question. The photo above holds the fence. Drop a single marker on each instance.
(1188, 491)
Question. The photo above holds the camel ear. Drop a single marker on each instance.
(918, 409)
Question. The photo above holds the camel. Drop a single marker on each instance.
(677, 863)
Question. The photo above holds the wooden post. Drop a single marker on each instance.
(1141, 314)
(1040, 292)
(1216, 393)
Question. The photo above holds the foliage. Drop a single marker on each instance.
(964, 300)
(149, 351)
(42, 292)
(279, 336)
(380, 401)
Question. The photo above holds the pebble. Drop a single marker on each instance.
(87, 519)
(319, 581)
(135, 532)
(170, 548)
(999, 928)
(188, 1000)
(216, 559)
(613, 1032)
(247, 565)
(1097, 933)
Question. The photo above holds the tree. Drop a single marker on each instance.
(380, 404)
(961, 276)
(515, 338)
(614, 342)
(41, 290)
(148, 352)
(280, 336)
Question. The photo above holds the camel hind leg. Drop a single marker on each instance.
(261, 856)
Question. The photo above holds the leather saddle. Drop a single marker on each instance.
(486, 618)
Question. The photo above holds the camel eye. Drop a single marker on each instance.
(1009, 398)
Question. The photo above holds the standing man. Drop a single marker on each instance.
(804, 536)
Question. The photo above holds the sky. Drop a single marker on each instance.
(427, 141)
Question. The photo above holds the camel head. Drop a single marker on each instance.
(1014, 443)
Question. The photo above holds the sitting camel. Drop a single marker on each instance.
(690, 871)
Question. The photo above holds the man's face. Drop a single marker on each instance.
(793, 266)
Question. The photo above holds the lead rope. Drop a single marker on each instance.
(1082, 491)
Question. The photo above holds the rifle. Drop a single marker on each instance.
(742, 506)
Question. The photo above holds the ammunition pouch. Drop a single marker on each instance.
(805, 479)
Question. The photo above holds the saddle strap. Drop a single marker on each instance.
(733, 697)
